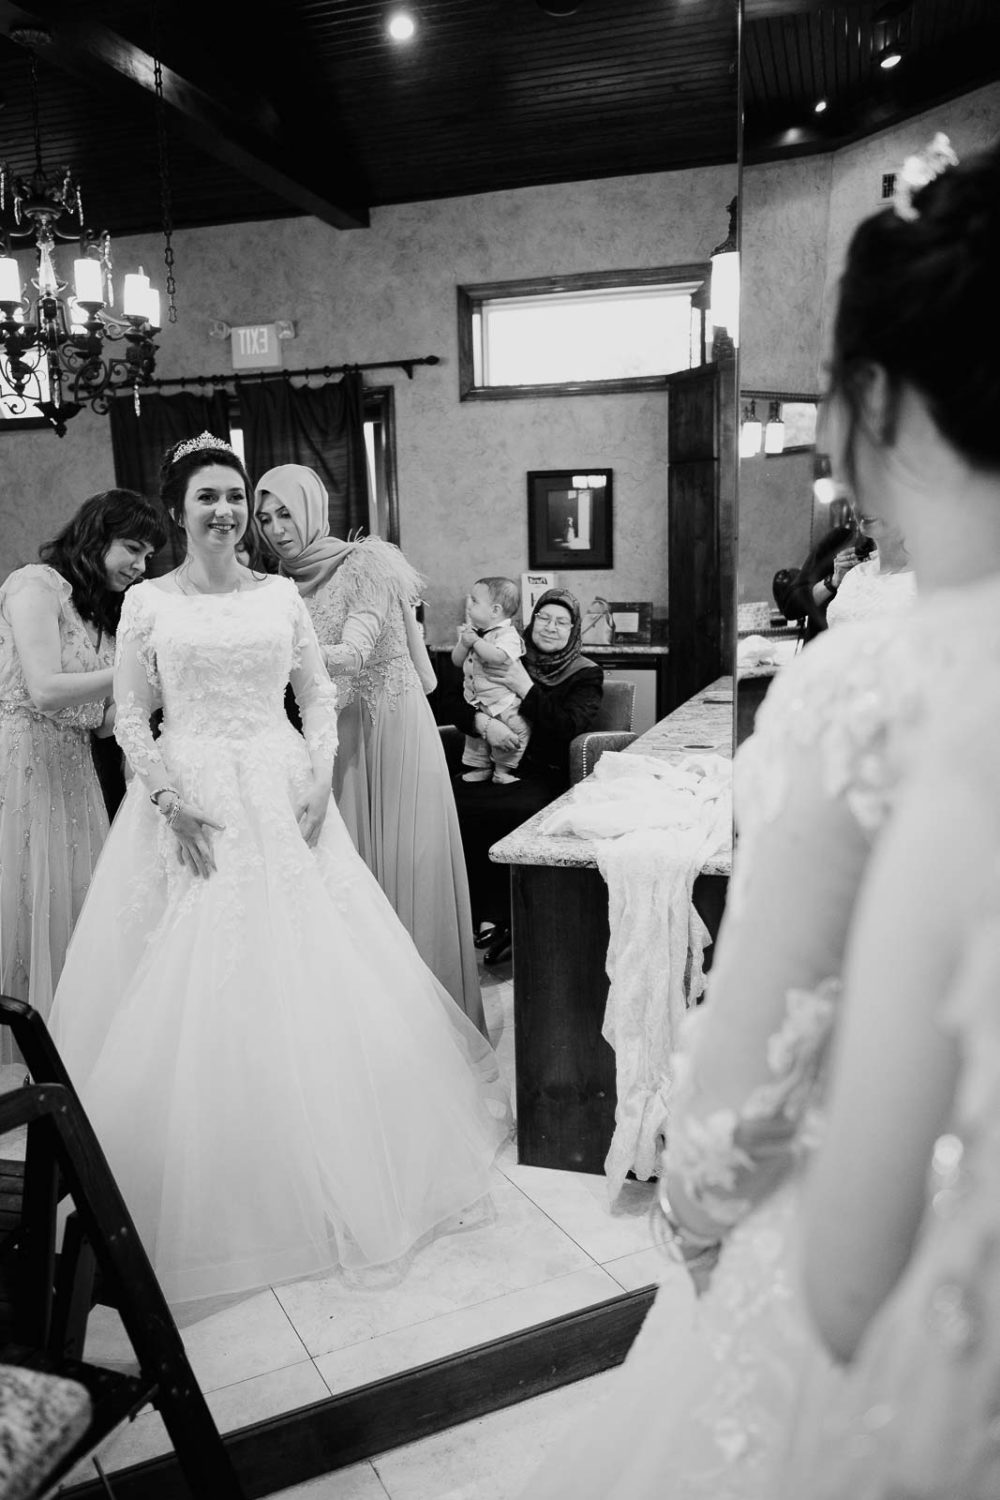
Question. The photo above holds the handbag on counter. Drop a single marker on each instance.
(598, 626)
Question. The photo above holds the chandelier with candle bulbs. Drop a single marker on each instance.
(56, 345)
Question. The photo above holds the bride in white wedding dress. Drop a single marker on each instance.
(902, 1220)
(715, 1404)
(278, 1081)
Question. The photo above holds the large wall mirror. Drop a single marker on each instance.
(557, 139)
(516, 141)
(830, 118)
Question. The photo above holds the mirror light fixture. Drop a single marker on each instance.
(751, 432)
(58, 333)
(825, 487)
(724, 311)
(401, 26)
(774, 430)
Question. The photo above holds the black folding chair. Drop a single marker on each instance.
(44, 1299)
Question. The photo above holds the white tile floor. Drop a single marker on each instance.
(551, 1247)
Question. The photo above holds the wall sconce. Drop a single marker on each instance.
(774, 431)
(751, 432)
(724, 311)
(825, 487)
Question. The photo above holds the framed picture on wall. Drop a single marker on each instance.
(570, 518)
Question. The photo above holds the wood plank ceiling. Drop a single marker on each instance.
(830, 52)
(310, 108)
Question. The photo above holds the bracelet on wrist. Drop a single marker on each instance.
(683, 1245)
(829, 584)
(154, 797)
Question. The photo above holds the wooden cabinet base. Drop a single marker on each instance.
(565, 1069)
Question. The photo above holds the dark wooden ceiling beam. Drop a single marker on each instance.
(96, 54)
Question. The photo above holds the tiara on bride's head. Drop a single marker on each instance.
(918, 171)
(203, 440)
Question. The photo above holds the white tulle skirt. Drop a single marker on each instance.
(278, 1081)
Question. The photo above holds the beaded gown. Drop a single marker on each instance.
(279, 1082)
(52, 816)
(391, 779)
(714, 1399)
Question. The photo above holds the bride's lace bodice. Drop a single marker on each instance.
(218, 665)
(812, 788)
(868, 593)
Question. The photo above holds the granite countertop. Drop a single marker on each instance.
(626, 649)
(704, 723)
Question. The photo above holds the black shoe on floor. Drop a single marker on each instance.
(499, 949)
(486, 937)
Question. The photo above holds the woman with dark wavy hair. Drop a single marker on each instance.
(57, 640)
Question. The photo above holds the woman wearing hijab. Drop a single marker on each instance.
(390, 778)
(560, 692)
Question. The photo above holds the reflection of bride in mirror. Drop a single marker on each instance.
(880, 585)
(713, 1401)
(279, 1082)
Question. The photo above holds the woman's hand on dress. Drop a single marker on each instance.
(193, 832)
(511, 675)
(312, 810)
(500, 736)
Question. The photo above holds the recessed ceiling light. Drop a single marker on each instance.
(889, 57)
(401, 26)
(819, 106)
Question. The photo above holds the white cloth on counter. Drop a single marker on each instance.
(755, 651)
(758, 651)
(657, 824)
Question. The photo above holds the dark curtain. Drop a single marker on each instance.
(139, 443)
(323, 428)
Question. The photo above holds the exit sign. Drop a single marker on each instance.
(256, 347)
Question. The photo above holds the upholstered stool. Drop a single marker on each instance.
(41, 1418)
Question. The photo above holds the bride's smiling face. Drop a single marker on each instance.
(216, 509)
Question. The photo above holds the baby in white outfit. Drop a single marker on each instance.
(489, 637)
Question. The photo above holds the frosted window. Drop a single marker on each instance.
(600, 335)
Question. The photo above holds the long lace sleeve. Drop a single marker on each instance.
(357, 642)
(807, 786)
(315, 694)
(136, 691)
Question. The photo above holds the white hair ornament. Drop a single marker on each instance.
(918, 171)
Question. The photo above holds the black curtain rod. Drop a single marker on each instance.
(235, 376)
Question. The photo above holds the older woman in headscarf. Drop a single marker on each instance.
(390, 779)
(560, 691)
